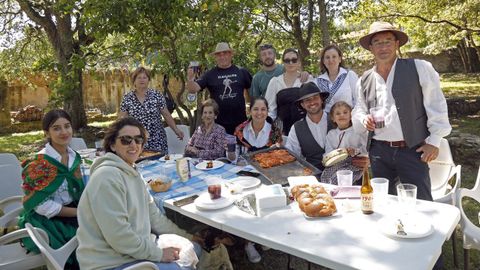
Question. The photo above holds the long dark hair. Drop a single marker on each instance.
(112, 132)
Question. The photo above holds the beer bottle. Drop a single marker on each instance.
(366, 193)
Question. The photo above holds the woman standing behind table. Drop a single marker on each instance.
(208, 140)
(282, 92)
(259, 131)
(52, 184)
(117, 214)
(335, 79)
(148, 106)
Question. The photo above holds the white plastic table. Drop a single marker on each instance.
(349, 240)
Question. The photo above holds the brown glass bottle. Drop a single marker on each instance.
(366, 194)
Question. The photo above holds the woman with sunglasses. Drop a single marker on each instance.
(282, 91)
(52, 184)
(208, 140)
(116, 213)
(335, 79)
(148, 106)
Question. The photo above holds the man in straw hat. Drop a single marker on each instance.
(227, 84)
(307, 136)
(415, 111)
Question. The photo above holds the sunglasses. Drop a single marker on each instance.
(290, 60)
(266, 47)
(127, 140)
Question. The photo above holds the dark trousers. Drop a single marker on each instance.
(403, 164)
(230, 129)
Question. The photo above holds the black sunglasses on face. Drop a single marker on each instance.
(290, 60)
(127, 140)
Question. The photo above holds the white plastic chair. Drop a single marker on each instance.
(10, 180)
(10, 218)
(176, 146)
(55, 258)
(442, 170)
(78, 144)
(471, 233)
(13, 256)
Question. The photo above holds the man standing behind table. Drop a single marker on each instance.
(270, 69)
(307, 136)
(416, 115)
(226, 83)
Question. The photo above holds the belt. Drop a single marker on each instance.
(395, 144)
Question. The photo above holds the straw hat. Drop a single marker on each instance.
(378, 27)
(222, 47)
(310, 89)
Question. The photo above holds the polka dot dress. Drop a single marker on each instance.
(149, 114)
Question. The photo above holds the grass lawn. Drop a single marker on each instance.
(454, 85)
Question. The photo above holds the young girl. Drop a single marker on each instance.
(343, 137)
(52, 184)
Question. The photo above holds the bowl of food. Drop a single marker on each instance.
(160, 184)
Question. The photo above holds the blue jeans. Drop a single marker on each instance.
(165, 266)
(402, 163)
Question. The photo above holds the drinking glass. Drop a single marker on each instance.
(345, 177)
(380, 191)
(407, 197)
(378, 114)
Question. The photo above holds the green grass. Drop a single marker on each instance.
(460, 85)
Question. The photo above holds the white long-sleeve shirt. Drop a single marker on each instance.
(275, 85)
(347, 138)
(347, 90)
(433, 100)
(52, 206)
(319, 132)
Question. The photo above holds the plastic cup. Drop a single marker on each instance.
(214, 187)
(378, 114)
(407, 197)
(344, 178)
(380, 191)
(195, 67)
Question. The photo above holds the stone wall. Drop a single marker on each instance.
(102, 89)
(465, 148)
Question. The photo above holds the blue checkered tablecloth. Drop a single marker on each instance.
(195, 184)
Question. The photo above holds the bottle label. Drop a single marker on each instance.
(367, 202)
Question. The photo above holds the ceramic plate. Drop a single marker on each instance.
(246, 182)
(203, 165)
(205, 203)
(173, 157)
(417, 226)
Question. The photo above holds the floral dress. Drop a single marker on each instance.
(149, 114)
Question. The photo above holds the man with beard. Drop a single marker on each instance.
(307, 136)
(269, 70)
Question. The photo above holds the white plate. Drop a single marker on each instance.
(299, 180)
(416, 226)
(203, 165)
(246, 182)
(173, 157)
(204, 202)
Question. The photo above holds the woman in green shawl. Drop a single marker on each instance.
(52, 184)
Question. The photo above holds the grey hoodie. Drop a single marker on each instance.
(116, 216)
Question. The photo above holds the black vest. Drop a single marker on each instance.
(311, 150)
(287, 109)
(408, 96)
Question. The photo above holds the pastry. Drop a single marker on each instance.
(314, 200)
(158, 185)
(273, 158)
(209, 164)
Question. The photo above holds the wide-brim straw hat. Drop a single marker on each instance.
(378, 27)
(222, 47)
(308, 90)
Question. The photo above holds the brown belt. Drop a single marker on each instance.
(396, 144)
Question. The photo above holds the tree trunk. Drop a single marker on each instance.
(322, 10)
(73, 100)
(462, 50)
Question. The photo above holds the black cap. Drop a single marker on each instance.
(310, 89)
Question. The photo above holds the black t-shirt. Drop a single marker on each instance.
(226, 88)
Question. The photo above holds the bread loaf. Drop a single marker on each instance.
(314, 200)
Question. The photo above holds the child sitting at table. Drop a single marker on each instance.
(343, 136)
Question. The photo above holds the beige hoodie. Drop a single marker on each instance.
(116, 216)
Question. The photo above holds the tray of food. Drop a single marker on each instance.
(149, 154)
(278, 163)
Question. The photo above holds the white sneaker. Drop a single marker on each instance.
(252, 253)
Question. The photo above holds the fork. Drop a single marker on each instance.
(400, 230)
